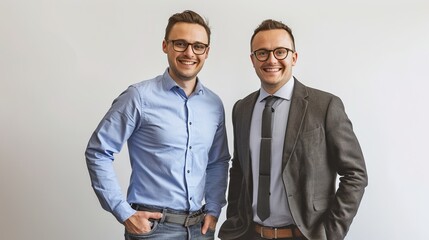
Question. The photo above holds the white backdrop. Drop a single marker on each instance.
(63, 62)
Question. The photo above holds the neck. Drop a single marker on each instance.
(188, 85)
(270, 89)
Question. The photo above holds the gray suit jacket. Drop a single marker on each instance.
(319, 145)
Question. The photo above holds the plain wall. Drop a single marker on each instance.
(63, 62)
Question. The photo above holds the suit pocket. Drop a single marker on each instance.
(321, 204)
(313, 133)
(311, 145)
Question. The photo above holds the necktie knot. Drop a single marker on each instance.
(269, 101)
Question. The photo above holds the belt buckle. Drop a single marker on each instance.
(188, 218)
(186, 224)
(191, 216)
(275, 232)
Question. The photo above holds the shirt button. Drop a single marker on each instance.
(189, 171)
(190, 123)
(190, 198)
(190, 147)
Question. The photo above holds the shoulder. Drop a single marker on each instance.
(318, 102)
(245, 105)
(210, 94)
(313, 95)
(210, 101)
(148, 84)
(143, 89)
(249, 100)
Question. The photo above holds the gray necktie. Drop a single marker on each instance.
(263, 207)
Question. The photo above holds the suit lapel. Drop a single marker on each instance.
(298, 108)
(245, 116)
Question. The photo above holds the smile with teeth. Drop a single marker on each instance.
(187, 62)
(272, 69)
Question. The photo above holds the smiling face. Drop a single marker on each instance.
(273, 73)
(184, 66)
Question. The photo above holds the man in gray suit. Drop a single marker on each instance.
(312, 143)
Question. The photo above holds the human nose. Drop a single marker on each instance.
(189, 50)
(271, 57)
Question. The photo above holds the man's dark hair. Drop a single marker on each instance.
(187, 16)
(270, 24)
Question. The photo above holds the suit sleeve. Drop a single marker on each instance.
(345, 154)
(236, 175)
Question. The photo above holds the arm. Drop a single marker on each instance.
(217, 171)
(113, 131)
(345, 153)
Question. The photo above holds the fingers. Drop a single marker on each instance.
(140, 223)
(205, 228)
(209, 223)
(153, 215)
(133, 225)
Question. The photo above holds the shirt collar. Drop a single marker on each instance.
(284, 92)
(169, 83)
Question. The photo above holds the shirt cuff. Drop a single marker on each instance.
(123, 211)
(213, 209)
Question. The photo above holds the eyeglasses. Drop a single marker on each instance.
(279, 53)
(181, 46)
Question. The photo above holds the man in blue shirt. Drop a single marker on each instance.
(175, 131)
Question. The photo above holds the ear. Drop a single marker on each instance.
(207, 52)
(164, 46)
(252, 59)
(294, 58)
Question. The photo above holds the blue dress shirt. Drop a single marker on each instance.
(177, 147)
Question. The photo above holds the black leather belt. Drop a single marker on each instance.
(185, 219)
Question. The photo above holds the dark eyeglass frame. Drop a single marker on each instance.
(274, 53)
(187, 45)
